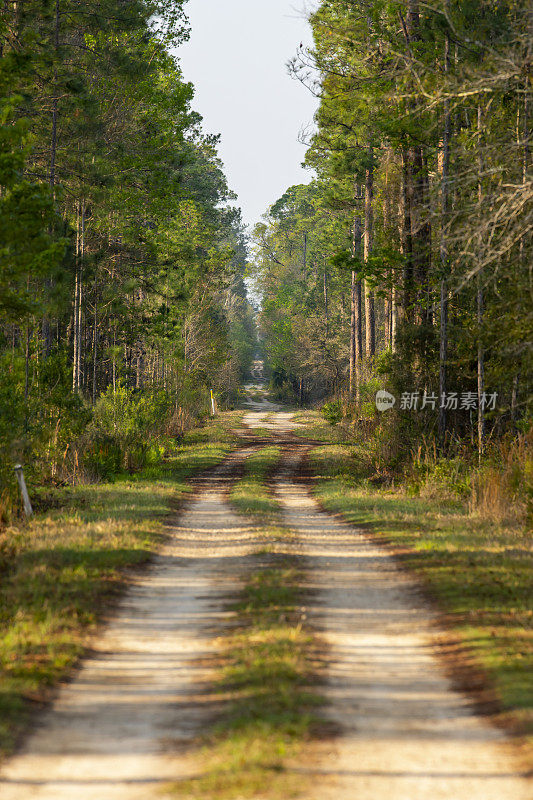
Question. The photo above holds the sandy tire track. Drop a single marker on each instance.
(124, 727)
(405, 732)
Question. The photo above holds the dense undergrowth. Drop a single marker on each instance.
(126, 431)
(394, 452)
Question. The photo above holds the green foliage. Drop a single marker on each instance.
(27, 215)
(121, 257)
(127, 430)
(422, 188)
(332, 411)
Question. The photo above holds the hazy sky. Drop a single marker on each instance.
(236, 58)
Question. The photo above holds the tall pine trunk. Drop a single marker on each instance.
(356, 337)
(370, 321)
(78, 296)
(326, 305)
(445, 204)
(480, 312)
(406, 235)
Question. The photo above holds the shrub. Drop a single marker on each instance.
(127, 430)
(332, 411)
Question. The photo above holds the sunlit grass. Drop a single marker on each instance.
(250, 495)
(319, 429)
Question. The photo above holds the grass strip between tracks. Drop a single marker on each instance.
(251, 495)
(267, 670)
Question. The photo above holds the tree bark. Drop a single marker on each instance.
(75, 311)
(480, 311)
(420, 232)
(78, 294)
(406, 235)
(55, 101)
(356, 333)
(326, 309)
(370, 322)
(514, 397)
(445, 202)
(480, 372)
(394, 319)
(95, 340)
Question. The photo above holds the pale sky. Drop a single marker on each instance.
(236, 58)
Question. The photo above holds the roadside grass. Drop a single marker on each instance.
(308, 416)
(478, 571)
(319, 429)
(267, 670)
(250, 495)
(61, 571)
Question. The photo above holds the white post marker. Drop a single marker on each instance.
(28, 510)
(212, 404)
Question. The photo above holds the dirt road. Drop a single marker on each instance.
(406, 734)
(123, 727)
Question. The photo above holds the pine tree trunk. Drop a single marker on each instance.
(326, 309)
(356, 333)
(75, 340)
(370, 322)
(514, 397)
(480, 372)
(80, 297)
(55, 101)
(445, 202)
(27, 364)
(352, 338)
(480, 311)
(406, 235)
(394, 319)
(95, 341)
(358, 339)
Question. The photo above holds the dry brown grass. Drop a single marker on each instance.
(503, 489)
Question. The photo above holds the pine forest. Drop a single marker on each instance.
(266, 485)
